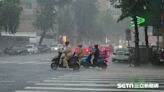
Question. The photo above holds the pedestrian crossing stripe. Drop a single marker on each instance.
(77, 85)
(89, 89)
(101, 91)
(114, 85)
(110, 79)
(108, 76)
(98, 81)
(93, 82)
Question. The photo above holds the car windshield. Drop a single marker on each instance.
(54, 45)
(122, 50)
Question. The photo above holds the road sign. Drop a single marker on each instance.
(140, 20)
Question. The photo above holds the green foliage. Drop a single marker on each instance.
(45, 18)
(131, 8)
(10, 11)
(46, 14)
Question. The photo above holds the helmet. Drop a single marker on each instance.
(96, 46)
(80, 46)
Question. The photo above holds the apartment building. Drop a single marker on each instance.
(28, 16)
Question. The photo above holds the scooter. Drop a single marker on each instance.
(86, 62)
(72, 62)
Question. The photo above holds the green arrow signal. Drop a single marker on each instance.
(140, 20)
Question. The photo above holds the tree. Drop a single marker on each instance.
(85, 16)
(46, 15)
(65, 18)
(131, 8)
(108, 26)
(10, 11)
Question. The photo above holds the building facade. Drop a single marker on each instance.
(28, 16)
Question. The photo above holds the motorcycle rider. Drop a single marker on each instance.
(67, 53)
(96, 54)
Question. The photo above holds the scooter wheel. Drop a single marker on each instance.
(76, 67)
(86, 66)
(104, 66)
(54, 66)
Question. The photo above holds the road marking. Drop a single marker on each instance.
(99, 81)
(77, 85)
(7, 81)
(33, 91)
(23, 62)
(79, 81)
(108, 76)
(90, 81)
(108, 79)
(106, 91)
(88, 89)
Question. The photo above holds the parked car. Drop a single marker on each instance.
(32, 49)
(120, 54)
(43, 48)
(15, 50)
(56, 47)
(157, 56)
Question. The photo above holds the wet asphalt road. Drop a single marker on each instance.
(32, 73)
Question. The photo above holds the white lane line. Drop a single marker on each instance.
(7, 81)
(32, 81)
(8, 62)
(91, 81)
(77, 85)
(88, 89)
(108, 76)
(106, 79)
(78, 81)
(100, 80)
(23, 62)
(32, 91)
(107, 91)
(39, 63)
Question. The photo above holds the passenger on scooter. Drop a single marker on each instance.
(80, 52)
(91, 51)
(67, 53)
(96, 54)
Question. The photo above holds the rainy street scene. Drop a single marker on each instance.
(81, 45)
